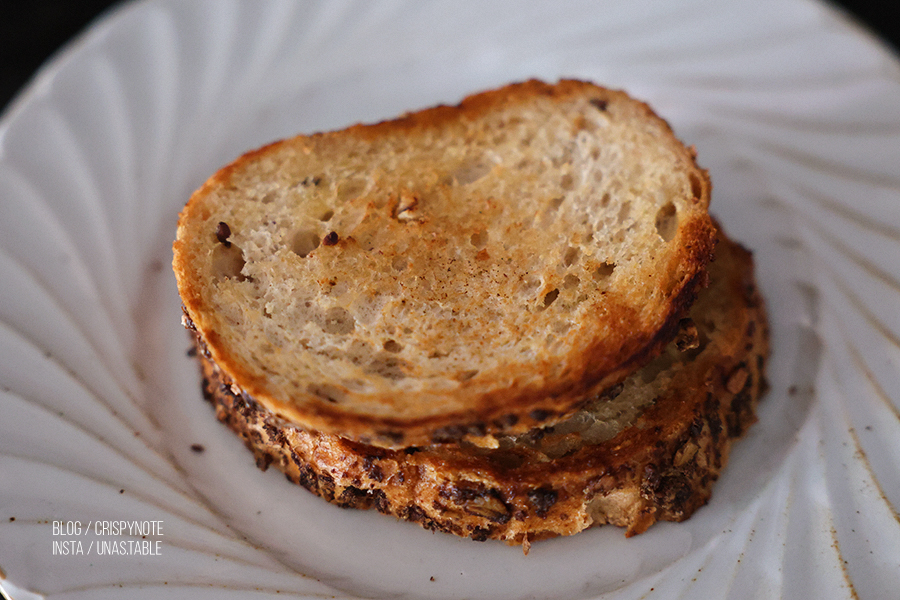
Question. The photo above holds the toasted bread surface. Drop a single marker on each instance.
(470, 270)
(648, 451)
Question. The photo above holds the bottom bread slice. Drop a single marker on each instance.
(648, 451)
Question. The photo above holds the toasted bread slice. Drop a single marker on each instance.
(467, 270)
(650, 453)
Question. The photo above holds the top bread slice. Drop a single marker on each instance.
(459, 271)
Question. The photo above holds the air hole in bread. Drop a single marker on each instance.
(599, 103)
(604, 200)
(314, 180)
(351, 188)
(326, 216)
(667, 222)
(581, 124)
(338, 321)
(467, 375)
(571, 282)
(567, 182)
(359, 352)
(564, 158)
(354, 385)
(604, 271)
(571, 256)
(228, 262)
(268, 198)
(530, 285)
(392, 346)
(388, 367)
(304, 241)
(470, 172)
(696, 186)
(479, 239)
(549, 298)
(327, 392)
(399, 263)
(561, 327)
(620, 235)
(406, 206)
(550, 214)
(624, 212)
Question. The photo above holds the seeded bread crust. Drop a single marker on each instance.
(658, 462)
(472, 270)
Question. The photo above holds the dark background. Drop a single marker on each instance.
(32, 30)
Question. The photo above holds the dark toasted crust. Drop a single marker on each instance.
(597, 363)
(660, 468)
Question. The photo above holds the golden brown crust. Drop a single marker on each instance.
(661, 467)
(618, 335)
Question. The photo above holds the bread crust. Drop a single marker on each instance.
(618, 334)
(659, 468)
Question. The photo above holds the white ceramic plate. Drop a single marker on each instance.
(795, 112)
